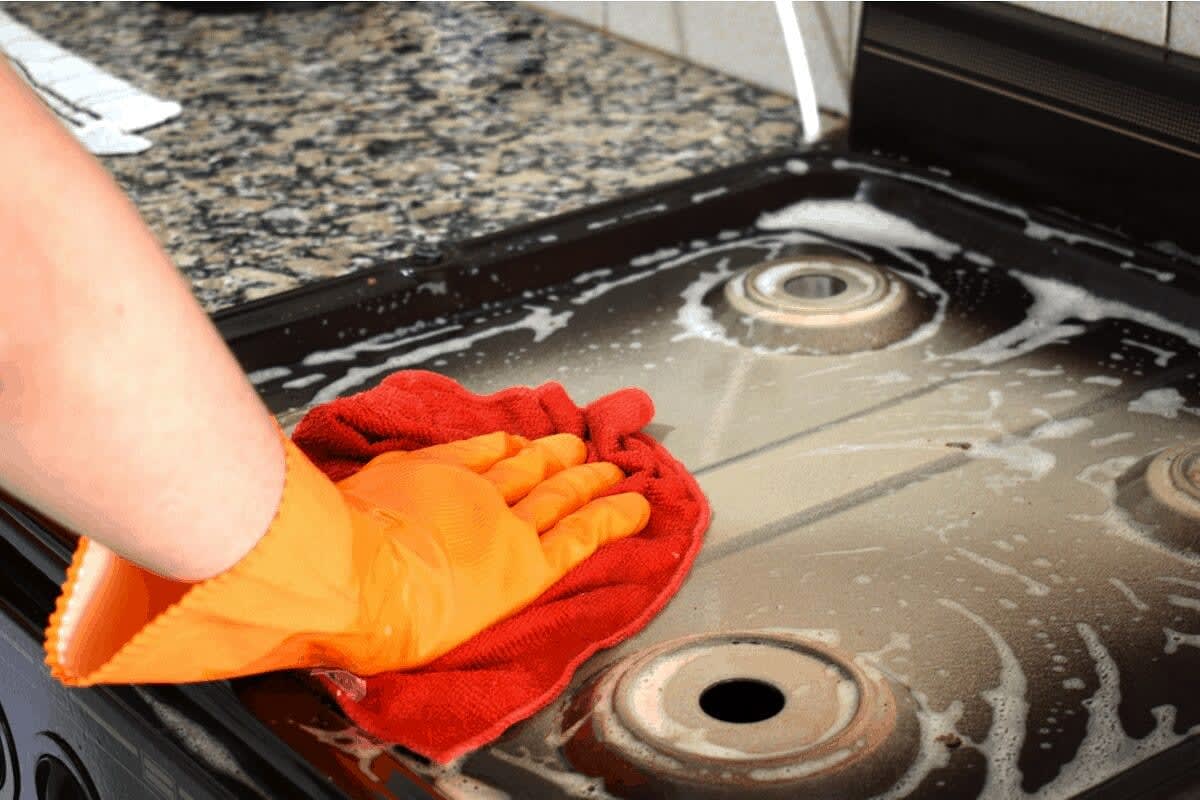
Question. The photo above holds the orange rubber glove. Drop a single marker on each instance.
(388, 569)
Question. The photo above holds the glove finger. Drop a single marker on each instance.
(601, 521)
(516, 475)
(478, 454)
(565, 493)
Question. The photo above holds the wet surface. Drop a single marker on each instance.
(943, 509)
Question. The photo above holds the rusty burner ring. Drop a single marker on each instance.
(740, 715)
(821, 303)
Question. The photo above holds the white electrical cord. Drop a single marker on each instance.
(806, 93)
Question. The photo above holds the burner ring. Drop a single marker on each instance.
(1174, 479)
(819, 303)
(817, 291)
(732, 714)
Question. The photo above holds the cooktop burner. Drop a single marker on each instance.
(950, 451)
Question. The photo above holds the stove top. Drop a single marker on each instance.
(952, 445)
(946, 444)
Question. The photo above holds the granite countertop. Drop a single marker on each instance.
(316, 140)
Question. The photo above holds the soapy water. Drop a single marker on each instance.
(1166, 403)
(196, 738)
(1057, 313)
(1034, 230)
(1105, 751)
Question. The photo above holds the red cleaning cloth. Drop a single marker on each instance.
(472, 694)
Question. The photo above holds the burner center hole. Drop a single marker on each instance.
(814, 287)
(741, 700)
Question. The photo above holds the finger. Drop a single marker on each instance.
(514, 476)
(599, 522)
(478, 454)
(565, 493)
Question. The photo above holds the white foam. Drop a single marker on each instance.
(1054, 302)
(1104, 441)
(887, 378)
(855, 552)
(1103, 380)
(1165, 403)
(1017, 454)
(584, 277)
(1114, 519)
(391, 340)
(1010, 711)
(1074, 684)
(796, 166)
(1179, 601)
(857, 222)
(573, 783)
(1033, 587)
(655, 257)
(1107, 750)
(433, 287)
(979, 258)
(197, 738)
(1180, 581)
(1162, 356)
(696, 318)
(354, 743)
(700, 197)
(269, 374)
(1061, 429)
(306, 380)
(1162, 276)
(1034, 230)
(1133, 599)
(932, 754)
(1175, 639)
(539, 321)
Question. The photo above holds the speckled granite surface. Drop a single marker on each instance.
(321, 139)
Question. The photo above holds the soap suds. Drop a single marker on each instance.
(1055, 302)
(1165, 403)
(260, 376)
(539, 321)
(857, 222)
(1107, 750)
(700, 197)
(201, 742)
(306, 380)
(1033, 587)
(1133, 599)
(1162, 356)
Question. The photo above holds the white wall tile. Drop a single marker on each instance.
(1145, 21)
(744, 39)
(1185, 28)
(654, 24)
(590, 13)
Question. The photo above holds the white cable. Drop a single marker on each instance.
(806, 93)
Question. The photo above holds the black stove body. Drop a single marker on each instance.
(965, 490)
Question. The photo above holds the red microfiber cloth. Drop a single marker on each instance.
(472, 694)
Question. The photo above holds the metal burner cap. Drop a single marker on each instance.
(817, 291)
(743, 714)
(1174, 479)
(821, 303)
